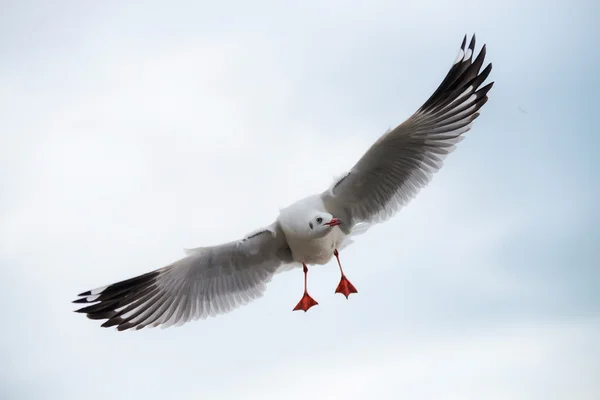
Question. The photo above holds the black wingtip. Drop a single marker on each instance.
(79, 311)
(464, 72)
(482, 52)
(125, 326)
(472, 44)
(112, 322)
(488, 87)
(111, 301)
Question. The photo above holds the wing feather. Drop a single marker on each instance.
(404, 159)
(207, 282)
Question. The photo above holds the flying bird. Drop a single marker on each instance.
(213, 280)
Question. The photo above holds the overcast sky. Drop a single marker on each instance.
(132, 130)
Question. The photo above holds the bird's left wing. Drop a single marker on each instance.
(404, 159)
(208, 281)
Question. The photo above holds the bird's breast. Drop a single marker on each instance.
(315, 251)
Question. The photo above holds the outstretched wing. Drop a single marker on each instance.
(207, 282)
(404, 159)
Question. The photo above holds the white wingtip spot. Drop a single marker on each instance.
(91, 298)
(98, 290)
(471, 99)
(129, 313)
(468, 54)
(469, 90)
(460, 56)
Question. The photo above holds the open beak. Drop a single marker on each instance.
(334, 222)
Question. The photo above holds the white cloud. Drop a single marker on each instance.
(499, 362)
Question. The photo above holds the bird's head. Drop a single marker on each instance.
(321, 223)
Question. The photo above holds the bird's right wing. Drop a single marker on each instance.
(208, 281)
(404, 159)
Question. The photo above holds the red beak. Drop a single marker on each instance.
(334, 222)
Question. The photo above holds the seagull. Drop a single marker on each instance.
(214, 280)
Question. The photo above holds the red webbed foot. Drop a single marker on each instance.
(305, 303)
(345, 287)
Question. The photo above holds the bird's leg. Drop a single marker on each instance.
(306, 302)
(345, 287)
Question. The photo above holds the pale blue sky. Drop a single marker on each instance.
(132, 130)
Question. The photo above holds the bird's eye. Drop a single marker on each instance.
(319, 220)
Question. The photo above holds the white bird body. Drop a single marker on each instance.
(315, 251)
(213, 280)
(308, 248)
